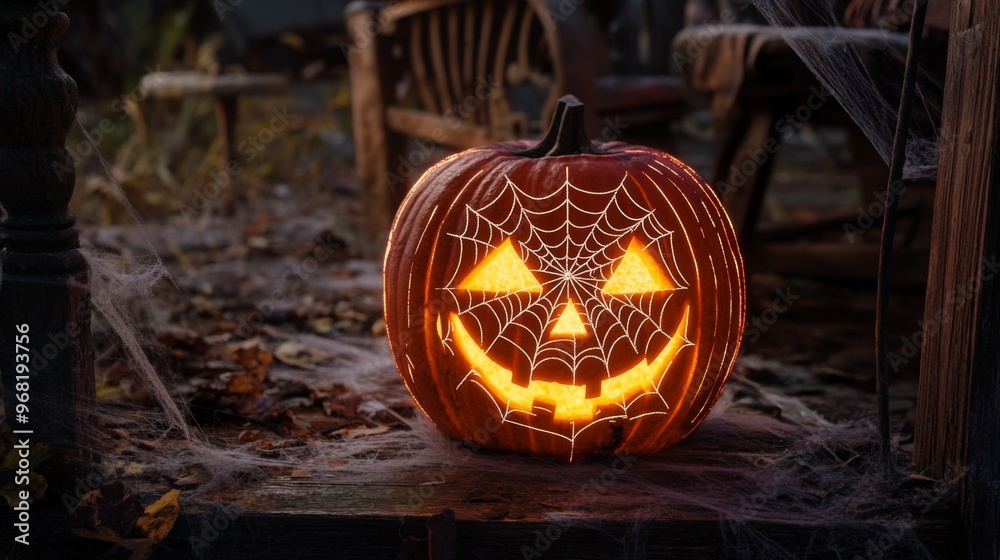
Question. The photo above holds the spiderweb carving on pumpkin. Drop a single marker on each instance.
(566, 311)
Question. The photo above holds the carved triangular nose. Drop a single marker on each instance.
(570, 322)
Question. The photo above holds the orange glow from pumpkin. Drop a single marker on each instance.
(569, 322)
(637, 273)
(570, 401)
(502, 271)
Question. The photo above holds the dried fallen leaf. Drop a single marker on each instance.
(107, 513)
(245, 384)
(193, 478)
(322, 325)
(37, 486)
(159, 517)
(248, 436)
(252, 357)
(359, 431)
(295, 354)
(260, 243)
(132, 468)
(344, 406)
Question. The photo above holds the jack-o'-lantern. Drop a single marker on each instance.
(567, 300)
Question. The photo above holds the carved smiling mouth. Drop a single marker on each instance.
(569, 402)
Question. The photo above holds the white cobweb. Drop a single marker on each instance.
(863, 69)
(575, 268)
(820, 475)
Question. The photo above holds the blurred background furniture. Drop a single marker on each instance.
(302, 37)
(433, 76)
(757, 81)
(225, 91)
(273, 44)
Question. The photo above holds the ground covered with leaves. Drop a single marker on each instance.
(269, 333)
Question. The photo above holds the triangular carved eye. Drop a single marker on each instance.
(502, 271)
(637, 272)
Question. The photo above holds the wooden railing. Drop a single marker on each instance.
(46, 357)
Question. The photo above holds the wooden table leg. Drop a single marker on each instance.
(225, 126)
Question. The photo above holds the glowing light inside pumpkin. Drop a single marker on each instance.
(569, 322)
(637, 273)
(502, 271)
(569, 401)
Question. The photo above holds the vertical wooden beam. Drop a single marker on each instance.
(44, 294)
(381, 174)
(957, 412)
(754, 133)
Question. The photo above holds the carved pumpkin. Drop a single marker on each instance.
(571, 300)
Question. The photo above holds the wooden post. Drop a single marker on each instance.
(957, 411)
(44, 294)
(378, 149)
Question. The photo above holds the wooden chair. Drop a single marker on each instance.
(756, 79)
(428, 76)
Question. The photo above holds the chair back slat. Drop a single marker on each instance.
(455, 45)
(487, 62)
(483, 53)
(499, 110)
(469, 48)
(418, 64)
(437, 42)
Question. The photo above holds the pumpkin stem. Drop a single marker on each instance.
(566, 135)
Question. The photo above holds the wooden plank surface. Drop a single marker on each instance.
(957, 414)
(667, 506)
(333, 537)
(181, 83)
(447, 132)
